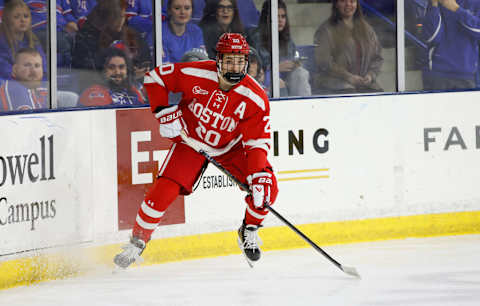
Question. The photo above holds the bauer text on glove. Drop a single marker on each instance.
(171, 122)
(260, 185)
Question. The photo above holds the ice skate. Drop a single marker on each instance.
(131, 253)
(248, 241)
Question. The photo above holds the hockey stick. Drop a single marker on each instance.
(349, 270)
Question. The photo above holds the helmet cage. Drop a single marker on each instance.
(232, 43)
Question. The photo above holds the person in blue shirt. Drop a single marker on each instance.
(16, 33)
(197, 12)
(26, 90)
(179, 35)
(40, 10)
(451, 30)
(75, 13)
(139, 16)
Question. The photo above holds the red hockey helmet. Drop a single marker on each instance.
(232, 43)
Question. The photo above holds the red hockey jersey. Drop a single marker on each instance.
(217, 119)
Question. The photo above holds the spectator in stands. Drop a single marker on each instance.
(255, 68)
(348, 52)
(40, 11)
(294, 79)
(178, 33)
(16, 33)
(451, 30)
(197, 12)
(75, 13)
(219, 16)
(115, 83)
(26, 90)
(105, 27)
(248, 11)
(139, 16)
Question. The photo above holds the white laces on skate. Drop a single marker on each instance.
(251, 240)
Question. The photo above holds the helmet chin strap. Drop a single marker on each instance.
(224, 80)
(231, 78)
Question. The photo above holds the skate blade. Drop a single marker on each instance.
(118, 270)
(249, 262)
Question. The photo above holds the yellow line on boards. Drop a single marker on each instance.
(303, 178)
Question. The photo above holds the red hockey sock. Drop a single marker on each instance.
(254, 215)
(160, 196)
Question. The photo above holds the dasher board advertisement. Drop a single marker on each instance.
(45, 176)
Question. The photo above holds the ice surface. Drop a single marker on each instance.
(427, 272)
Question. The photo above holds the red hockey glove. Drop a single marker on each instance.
(170, 120)
(260, 185)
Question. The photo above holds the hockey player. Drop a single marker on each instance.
(226, 112)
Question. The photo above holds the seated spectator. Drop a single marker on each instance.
(178, 33)
(347, 52)
(15, 34)
(255, 68)
(115, 83)
(219, 16)
(75, 13)
(248, 11)
(105, 27)
(197, 13)
(40, 11)
(294, 79)
(139, 16)
(451, 30)
(26, 90)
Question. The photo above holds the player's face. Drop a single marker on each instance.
(282, 19)
(233, 63)
(28, 68)
(180, 12)
(225, 12)
(346, 8)
(116, 70)
(20, 20)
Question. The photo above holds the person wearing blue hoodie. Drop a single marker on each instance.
(451, 30)
(16, 33)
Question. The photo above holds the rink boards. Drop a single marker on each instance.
(349, 169)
